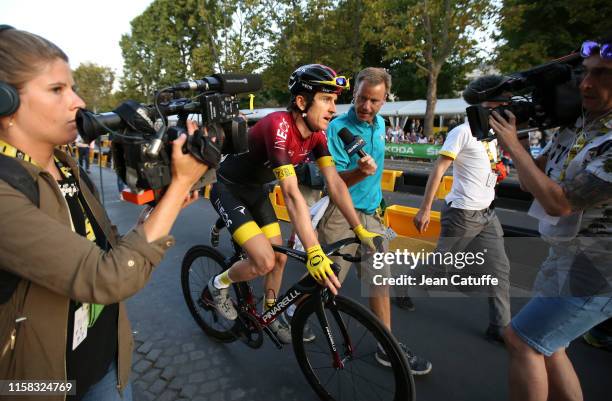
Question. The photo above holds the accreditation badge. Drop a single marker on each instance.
(81, 321)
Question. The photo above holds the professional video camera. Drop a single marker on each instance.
(545, 96)
(141, 134)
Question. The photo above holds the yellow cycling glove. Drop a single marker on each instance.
(318, 264)
(366, 237)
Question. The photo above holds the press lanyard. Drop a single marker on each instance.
(490, 154)
(11, 151)
(94, 310)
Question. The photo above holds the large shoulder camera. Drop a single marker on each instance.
(544, 97)
(141, 134)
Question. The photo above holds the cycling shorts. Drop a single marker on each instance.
(245, 209)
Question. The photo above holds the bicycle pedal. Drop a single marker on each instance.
(248, 330)
(205, 301)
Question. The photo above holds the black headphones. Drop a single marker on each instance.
(9, 97)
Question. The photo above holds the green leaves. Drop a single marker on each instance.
(95, 84)
(423, 43)
(533, 33)
(428, 34)
(175, 40)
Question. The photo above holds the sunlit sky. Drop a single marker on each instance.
(87, 31)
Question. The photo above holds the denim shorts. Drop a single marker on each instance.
(549, 323)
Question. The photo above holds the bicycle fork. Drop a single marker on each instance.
(338, 359)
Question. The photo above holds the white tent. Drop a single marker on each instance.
(404, 110)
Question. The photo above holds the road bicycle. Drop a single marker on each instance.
(339, 364)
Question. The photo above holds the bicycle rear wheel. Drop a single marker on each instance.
(199, 265)
(356, 333)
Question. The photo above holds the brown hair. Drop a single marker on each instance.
(308, 96)
(23, 55)
(374, 76)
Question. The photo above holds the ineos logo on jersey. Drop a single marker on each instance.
(280, 141)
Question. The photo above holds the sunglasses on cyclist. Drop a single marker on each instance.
(589, 48)
(340, 82)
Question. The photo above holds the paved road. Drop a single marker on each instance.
(175, 360)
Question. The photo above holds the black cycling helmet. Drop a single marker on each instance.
(313, 78)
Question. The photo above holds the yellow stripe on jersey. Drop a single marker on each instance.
(326, 161)
(448, 154)
(284, 171)
(245, 232)
(271, 230)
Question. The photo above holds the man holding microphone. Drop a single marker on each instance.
(362, 174)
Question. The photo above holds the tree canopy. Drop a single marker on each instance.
(175, 40)
(428, 33)
(428, 46)
(534, 32)
(95, 85)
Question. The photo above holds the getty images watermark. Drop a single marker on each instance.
(409, 261)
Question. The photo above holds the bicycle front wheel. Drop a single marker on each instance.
(200, 264)
(356, 334)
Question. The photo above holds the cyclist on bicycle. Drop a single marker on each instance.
(277, 143)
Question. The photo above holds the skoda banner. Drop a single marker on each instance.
(416, 150)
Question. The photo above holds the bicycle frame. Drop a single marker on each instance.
(306, 287)
(344, 323)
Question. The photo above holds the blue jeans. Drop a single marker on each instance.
(106, 389)
(548, 324)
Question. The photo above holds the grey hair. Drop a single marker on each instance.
(374, 76)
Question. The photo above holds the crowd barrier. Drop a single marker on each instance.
(278, 202)
(445, 187)
(388, 179)
(388, 182)
(400, 218)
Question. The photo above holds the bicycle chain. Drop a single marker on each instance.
(248, 330)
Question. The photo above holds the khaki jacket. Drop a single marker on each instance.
(57, 265)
